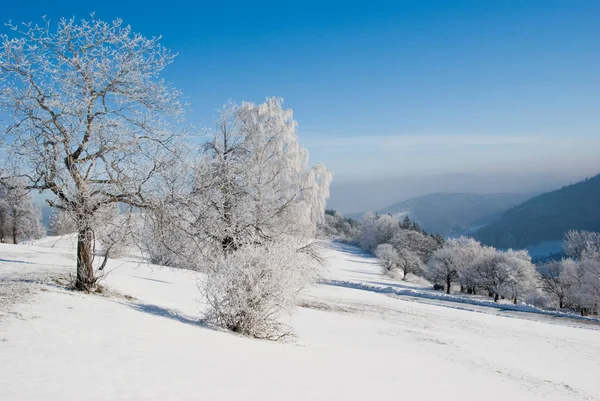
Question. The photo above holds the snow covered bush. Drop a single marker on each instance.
(251, 290)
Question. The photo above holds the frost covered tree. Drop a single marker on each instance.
(388, 257)
(522, 276)
(454, 262)
(416, 242)
(61, 223)
(442, 268)
(576, 243)
(582, 276)
(583, 280)
(248, 208)
(377, 229)
(254, 179)
(587, 293)
(556, 279)
(338, 228)
(466, 251)
(89, 116)
(409, 262)
(112, 232)
(507, 274)
(19, 216)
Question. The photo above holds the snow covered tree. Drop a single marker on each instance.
(377, 230)
(388, 256)
(522, 276)
(416, 242)
(555, 279)
(409, 262)
(89, 114)
(61, 223)
(338, 228)
(4, 221)
(466, 251)
(254, 179)
(507, 274)
(111, 231)
(454, 262)
(19, 216)
(491, 273)
(576, 243)
(442, 268)
(583, 280)
(248, 200)
(588, 292)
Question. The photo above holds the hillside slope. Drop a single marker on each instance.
(547, 217)
(452, 213)
(352, 343)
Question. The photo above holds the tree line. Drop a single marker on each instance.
(463, 264)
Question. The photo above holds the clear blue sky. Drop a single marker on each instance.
(390, 88)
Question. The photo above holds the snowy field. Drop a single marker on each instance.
(355, 340)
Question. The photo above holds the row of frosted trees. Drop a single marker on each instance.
(465, 265)
(91, 121)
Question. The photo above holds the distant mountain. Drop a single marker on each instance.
(454, 213)
(359, 194)
(546, 217)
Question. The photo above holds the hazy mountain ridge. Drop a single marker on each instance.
(547, 217)
(454, 213)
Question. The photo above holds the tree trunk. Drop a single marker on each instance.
(14, 231)
(496, 296)
(448, 283)
(560, 303)
(85, 270)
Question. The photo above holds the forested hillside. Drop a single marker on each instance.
(452, 213)
(547, 217)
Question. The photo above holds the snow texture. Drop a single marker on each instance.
(352, 342)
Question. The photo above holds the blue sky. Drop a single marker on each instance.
(384, 89)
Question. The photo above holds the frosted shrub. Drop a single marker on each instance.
(251, 290)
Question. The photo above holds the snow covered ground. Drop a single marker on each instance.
(353, 343)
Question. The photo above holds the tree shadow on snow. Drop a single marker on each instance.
(350, 249)
(152, 279)
(17, 261)
(400, 285)
(166, 313)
